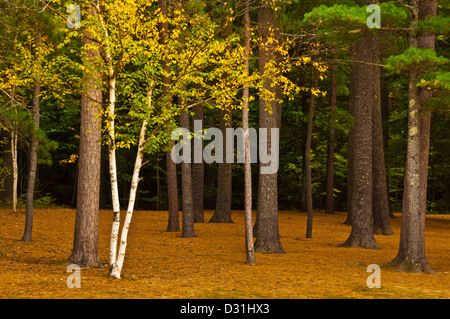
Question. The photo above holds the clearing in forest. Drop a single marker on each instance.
(212, 265)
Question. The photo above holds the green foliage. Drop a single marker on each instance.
(414, 57)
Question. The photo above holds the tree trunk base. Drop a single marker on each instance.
(173, 227)
(381, 231)
(26, 239)
(84, 261)
(272, 246)
(220, 218)
(199, 219)
(354, 242)
(415, 266)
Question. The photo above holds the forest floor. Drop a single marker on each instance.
(159, 264)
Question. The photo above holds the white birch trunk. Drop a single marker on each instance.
(117, 267)
(112, 151)
(113, 175)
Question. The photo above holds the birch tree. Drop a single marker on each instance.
(133, 56)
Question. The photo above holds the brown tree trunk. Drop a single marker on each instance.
(411, 255)
(6, 192)
(198, 172)
(309, 197)
(249, 246)
(360, 144)
(85, 244)
(187, 225)
(32, 169)
(266, 228)
(222, 213)
(173, 224)
(380, 200)
(329, 200)
(385, 113)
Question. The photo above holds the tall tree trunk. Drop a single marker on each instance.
(425, 41)
(198, 171)
(32, 169)
(380, 200)
(249, 246)
(15, 169)
(14, 159)
(329, 201)
(6, 157)
(385, 102)
(303, 130)
(158, 184)
(85, 244)
(112, 77)
(309, 197)
(173, 224)
(411, 255)
(187, 225)
(222, 213)
(266, 225)
(360, 144)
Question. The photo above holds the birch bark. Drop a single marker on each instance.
(118, 264)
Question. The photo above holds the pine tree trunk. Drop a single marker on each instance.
(32, 172)
(360, 145)
(173, 224)
(411, 256)
(85, 246)
(329, 200)
(266, 228)
(222, 213)
(380, 201)
(187, 225)
(309, 197)
(385, 102)
(198, 171)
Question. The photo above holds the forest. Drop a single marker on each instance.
(264, 127)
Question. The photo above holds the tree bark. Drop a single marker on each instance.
(32, 169)
(85, 244)
(309, 197)
(198, 172)
(266, 225)
(173, 224)
(380, 201)
(360, 145)
(411, 256)
(117, 265)
(385, 113)
(187, 225)
(6, 193)
(249, 246)
(222, 213)
(329, 200)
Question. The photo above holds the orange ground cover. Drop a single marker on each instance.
(212, 265)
